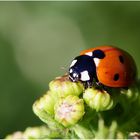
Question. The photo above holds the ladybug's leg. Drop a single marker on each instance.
(100, 86)
(87, 84)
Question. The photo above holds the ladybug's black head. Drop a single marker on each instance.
(83, 69)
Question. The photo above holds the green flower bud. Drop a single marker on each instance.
(97, 99)
(63, 87)
(69, 110)
(35, 132)
(131, 94)
(15, 135)
(47, 102)
(38, 109)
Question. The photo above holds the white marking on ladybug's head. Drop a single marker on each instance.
(74, 74)
(73, 63)
(70, 70)
(96, 61)
(85, 76)
(89, 53)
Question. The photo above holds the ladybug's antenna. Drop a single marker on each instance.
(63, 68)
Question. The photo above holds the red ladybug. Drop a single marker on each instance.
(107, 65)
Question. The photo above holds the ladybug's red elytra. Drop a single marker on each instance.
(107, 65)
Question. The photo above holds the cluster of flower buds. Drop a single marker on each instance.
(65, 101)
(72, 111)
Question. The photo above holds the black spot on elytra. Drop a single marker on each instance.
(116, 77)
(98, 54)
(121, 59)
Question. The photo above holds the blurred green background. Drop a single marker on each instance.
(38, 40)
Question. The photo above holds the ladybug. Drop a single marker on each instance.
(104, 65)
